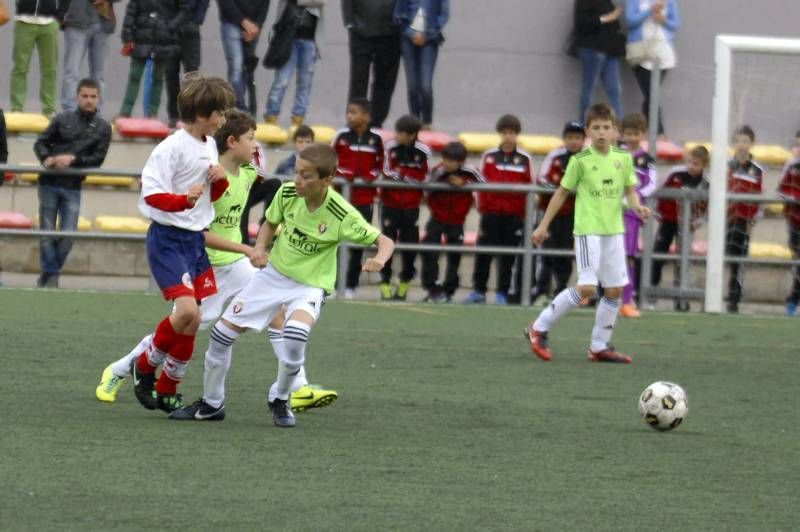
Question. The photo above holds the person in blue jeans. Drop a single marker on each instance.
(421, 23)
(74, 139)
(240, 23)
(599, 42)
(303, 58)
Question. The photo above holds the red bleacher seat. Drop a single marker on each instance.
(15, 220)
(435, 140)
(666, 150)
(141, 127)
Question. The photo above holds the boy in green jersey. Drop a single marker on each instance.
(601, 175)
(299, 271)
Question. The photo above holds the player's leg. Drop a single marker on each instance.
(587, 255)
(115, 373)
(184, 322)
(613, 275)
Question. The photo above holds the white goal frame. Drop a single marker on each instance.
(725, 47)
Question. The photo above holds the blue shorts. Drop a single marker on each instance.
(179, 262)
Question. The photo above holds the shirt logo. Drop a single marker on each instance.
(237, 308)
(516, 160)
(232, 218)
(640, 161)
(208, 283)
(322, 227)
(617, 165)
(299, 241)
(359, 230)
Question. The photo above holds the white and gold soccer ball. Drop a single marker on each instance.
(663, 405)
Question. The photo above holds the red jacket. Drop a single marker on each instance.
(500, 167)
(452, 207)
(550, 175)
(790, 188)
(406, 164)
(359, 158)
(744, 179)
(669, 209)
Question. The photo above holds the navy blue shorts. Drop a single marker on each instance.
(179, 262)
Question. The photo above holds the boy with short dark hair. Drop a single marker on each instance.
(600, 175)
(634, 129)
(360, 153)
(560, 237)
(302, 138)
(448, 211)
(406, 160)
(789, 188)
(501, 212)
(299, 271)
(688, 176)
(745, 176)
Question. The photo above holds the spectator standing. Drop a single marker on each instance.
(655, 22)
(240, 23)
(421, 23)
(789, 188)
(87, 25)
(188, 55)
(150, 31)
(374, 43)
(35, 26)
(305, 50)
(74, 139)
(3, 142)
(599, 42)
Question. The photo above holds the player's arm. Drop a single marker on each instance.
(214, 241)
(265, 235)
(385, 250)
(558, 199)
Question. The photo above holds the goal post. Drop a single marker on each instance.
(725, 47)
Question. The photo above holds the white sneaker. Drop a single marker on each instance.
(349, 293)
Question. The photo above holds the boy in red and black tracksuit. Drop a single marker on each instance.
(745, 176)
(561, 228)
(360, 153)
(790, 189)
(449, 210)
(501, 212)
(691, 176)
(406, 161)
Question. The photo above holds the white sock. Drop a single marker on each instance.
(217, 363)
(300, 379)
(565, 301)
(122, 367)
(276, 340)
(295, 338)
(605, 318)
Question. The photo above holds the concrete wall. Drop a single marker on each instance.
(507, 56)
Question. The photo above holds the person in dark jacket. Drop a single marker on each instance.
(150, 31)
(188, 55)
(421, 23)
(240, 25)
(36, 26)
(87, 25)
(3, 142)
(600, 43)
(74, 139)
(374, 42)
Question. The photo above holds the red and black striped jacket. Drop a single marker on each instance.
(679, 177)
(744, 178)
(407, 164)
(790, 188)
(550, 175)
(452, 207)
(498, 166)
(360, 157)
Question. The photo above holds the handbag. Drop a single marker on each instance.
(5, 13)
(637, 53)
(279, 48)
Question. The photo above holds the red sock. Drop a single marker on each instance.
(163, 340)
(180, 355)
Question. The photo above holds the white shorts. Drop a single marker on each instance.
(259, 302)
(601, 258)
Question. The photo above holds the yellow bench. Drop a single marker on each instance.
(121, 224)
(771, 154)
(535, 144)
(539, 144)
(84, 224)
(479, 142)
(769, 250)
(26, 122)
(109, 181)
(271, 134)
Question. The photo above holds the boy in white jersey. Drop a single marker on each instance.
(230, 262)
(300, 270)
(599, 175)
(177, 199)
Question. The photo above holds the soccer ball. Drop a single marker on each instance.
(663, 405)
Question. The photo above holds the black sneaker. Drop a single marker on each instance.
(282, 414)
(733, 308)
(169, 402)
(143, 386)
(200, 411)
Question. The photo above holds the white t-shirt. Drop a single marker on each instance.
(176, 164)
(662, 47)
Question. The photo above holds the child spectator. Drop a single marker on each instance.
(789, 188)
(501, 212)
(634, 129)
(448, 212)
(302, 137)
(360, 153)
(150, 31)
(560, 236)
(406, 161)
(745, 176)
(688, 176)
